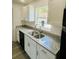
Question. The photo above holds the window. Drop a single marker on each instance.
(31, 13)
(39, 14)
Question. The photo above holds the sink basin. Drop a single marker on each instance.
(37, 35)
(34, 33)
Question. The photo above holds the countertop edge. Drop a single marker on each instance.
(38, 42)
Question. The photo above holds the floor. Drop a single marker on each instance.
(18, 52)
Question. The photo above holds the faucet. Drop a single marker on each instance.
(35, 30)
(38, 31)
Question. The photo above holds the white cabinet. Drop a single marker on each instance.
(27, 45)
(33, 49)
(30, 47)
(43, 53)
(17, 35)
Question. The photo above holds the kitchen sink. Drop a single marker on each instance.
(37, 34)
(34, 33)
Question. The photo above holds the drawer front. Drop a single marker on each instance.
(44, 54)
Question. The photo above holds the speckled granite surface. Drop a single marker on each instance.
(52, 43)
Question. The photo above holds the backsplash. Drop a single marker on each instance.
(55, 30)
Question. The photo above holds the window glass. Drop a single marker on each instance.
(41, 15)
(31, 13)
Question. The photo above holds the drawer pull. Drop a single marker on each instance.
(37, 53)
(28, 44)
(44, 51)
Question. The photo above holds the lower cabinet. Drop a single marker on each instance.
(36, 51)
(17, 34)
(27, 45)
(42, 53)
(33, 49)
(30, 47)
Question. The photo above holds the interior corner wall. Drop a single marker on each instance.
(16, 19)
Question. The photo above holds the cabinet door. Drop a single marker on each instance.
(44, 54)
(27, 45)
(18, 35)
(33, 49)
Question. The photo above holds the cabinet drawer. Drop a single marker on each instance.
(43, 53)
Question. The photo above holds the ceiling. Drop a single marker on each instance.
(23, 2)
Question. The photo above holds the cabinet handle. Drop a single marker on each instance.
(28, 44)
(44, 51)
(37, 53)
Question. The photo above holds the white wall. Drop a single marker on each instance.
(25, 10)
(55, 14)
(40, 3)
(16, 19)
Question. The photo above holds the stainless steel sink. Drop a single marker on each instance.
(37, 34)
(34, 33)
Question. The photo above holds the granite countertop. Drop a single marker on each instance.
(56, 30)
(52, 44)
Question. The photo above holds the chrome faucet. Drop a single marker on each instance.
(38, 31)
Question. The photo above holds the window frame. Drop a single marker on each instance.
(36, 16)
